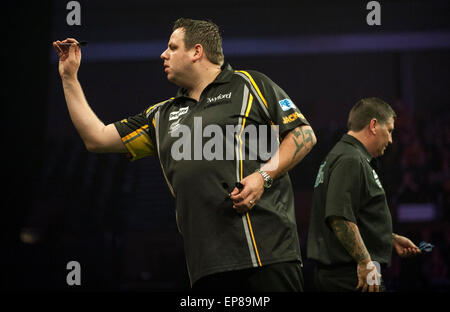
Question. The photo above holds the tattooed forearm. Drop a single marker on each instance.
(303, 139)
(298, 143)
(348, 234)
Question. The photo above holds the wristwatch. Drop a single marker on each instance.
(267, 179)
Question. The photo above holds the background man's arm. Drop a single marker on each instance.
(404, 246)
(348, 234)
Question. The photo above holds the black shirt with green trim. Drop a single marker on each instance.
(201, 162)
(348, 186)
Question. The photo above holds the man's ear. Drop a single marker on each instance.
(373, 126)
(198, 52)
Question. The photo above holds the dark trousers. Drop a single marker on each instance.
(277, 277)
(338, 278)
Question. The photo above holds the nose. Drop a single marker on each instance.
(164, 54)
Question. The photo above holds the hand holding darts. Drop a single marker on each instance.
(425, 247)
(68, 44)
(69, 52)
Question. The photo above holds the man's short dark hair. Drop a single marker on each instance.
(205, 33)
(366, 109)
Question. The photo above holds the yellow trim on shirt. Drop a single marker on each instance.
(247, 112)
(134, 133)
(254, 85)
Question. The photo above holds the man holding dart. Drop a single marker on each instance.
(351, 227)
(235, 213)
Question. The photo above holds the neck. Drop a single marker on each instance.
(362, 137)
(204, 78)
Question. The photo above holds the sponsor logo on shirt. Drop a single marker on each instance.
(319, 178)
(286, 104)
(173, 126)
(218, 98)
(175, 115)
(375, 176)
(292, 117)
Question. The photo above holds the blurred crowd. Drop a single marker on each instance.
(416, 171)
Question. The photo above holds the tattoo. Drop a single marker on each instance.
(300, 145)
(306, 137)
(348, 234)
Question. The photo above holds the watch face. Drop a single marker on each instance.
(267, 179)
(267, 184)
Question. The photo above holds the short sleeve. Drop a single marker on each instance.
(135, 134)
(281, 109)
(343, 189)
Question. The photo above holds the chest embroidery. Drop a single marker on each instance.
(377, 180)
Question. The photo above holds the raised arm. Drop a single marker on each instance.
(96, 136)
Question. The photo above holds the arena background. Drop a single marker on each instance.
(61, 203)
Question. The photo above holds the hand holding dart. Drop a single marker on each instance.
(69, 52)
(68, 44)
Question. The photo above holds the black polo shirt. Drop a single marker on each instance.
(348, 186)
(216, 238)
